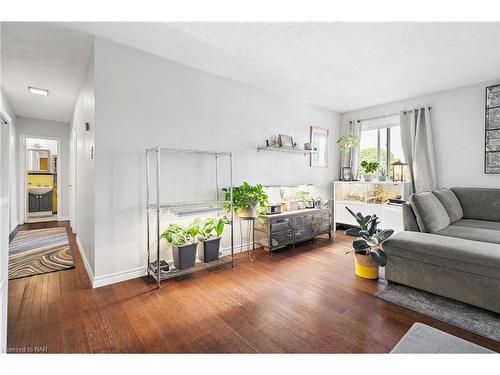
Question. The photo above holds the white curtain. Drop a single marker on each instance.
(418, 148)
(351, 158)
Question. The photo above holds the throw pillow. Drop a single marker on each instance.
(430, 213)
(450, 203)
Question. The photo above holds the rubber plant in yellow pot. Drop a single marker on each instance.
(367, 253)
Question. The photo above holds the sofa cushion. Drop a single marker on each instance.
(429, 212)
(450, 203)
(481, 258)
(471, 233)
(493, 225)
(479, 203)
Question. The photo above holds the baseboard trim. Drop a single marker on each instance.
(64, 218)
(117, 277)
(13, 226)
(238, 248)
(86, 264)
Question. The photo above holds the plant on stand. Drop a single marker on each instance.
(209, 235)
(368, 255)
(369, 168)
(248, 201)
(183, 241)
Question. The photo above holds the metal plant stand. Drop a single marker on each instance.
(154, 269)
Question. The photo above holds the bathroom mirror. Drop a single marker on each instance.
(38, 160)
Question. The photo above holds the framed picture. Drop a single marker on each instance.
(492, 131)
(346, 174)
(319, 141)
(285, 141)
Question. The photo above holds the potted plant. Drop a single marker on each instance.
(209, 235)
(248, 201)
(382, 173)
(183, 244)
(369, 169)
(368, 256)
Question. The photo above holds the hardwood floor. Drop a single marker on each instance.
(304, 300)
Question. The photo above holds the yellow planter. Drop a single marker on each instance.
(365, 267)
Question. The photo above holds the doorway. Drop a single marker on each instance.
(40, 183)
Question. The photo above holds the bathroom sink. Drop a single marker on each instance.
(39, 189)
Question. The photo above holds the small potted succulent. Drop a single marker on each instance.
(368, 256)
(382, 174)
(209, 235)
(183, 241)
(369, 168)
(248, 201)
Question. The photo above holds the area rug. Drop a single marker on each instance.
(470, 318)
(33, 252)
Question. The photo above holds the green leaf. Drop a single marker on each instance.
(383, 235)
(360, 245)
(363, 233)
(353, 232)
(378, 256)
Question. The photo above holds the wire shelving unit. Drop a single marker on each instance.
(156, 207)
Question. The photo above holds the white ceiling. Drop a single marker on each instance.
(46, 56)
(340, 66)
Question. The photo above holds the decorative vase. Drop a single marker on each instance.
(246, 212)
(365, 266)
(370, 177)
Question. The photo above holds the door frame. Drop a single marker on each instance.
(23, 176)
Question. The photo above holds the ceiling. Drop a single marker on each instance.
(46, 56)
(340, 66)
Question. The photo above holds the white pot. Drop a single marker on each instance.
(371, 177)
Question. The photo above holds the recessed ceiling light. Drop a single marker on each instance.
(38, 91)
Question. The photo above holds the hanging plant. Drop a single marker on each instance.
(347, 142)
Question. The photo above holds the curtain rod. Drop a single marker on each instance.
(384, 116)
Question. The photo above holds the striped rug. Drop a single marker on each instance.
(33, 252)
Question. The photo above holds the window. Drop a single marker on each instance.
(381, 142)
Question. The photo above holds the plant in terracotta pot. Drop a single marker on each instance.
(209, 235)
(368, 255)
(183, 241)
(369, 169)
(248, 201)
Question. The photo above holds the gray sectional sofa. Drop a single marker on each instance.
(450, 246)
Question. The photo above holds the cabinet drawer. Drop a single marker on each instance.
(283, 238)
(281, 223)
(322, 229)
(303, 233)
(303, 219)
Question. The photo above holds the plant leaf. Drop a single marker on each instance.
(378, 256)
(353, 232)
(383, 235)
(360, 245)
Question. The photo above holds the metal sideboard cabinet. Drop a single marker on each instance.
(290, 227)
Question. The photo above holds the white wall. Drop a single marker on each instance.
(82, 168)
(458, 128)
(144, 101)
(44, 128)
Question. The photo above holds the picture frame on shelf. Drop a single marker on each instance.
(346, 174)
(285, 141)
(319, 141)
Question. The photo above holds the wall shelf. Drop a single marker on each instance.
(286, 149)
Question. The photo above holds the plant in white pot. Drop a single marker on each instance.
(183, 241)
(248, 201)
(209, 235)
(369, 169)
(368, 256)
